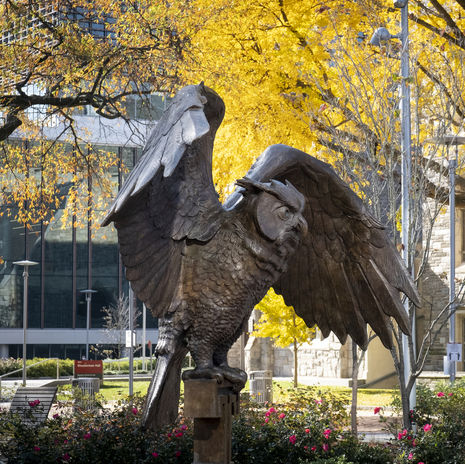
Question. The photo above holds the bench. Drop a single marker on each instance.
(33, 403)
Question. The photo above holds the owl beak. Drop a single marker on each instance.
(302, 226)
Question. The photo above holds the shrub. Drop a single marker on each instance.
(48, 368)
(308, 429)
(440, 421)
(285, 434)
(9, 365)
(97, 436)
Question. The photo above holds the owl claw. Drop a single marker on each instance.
(236, 376)
(203, 373)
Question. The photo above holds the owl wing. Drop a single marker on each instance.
(169, 196)
(347, 272)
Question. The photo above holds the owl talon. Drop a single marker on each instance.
(203, 373)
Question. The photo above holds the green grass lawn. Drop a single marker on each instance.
(366, 397)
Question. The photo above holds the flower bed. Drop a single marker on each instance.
(308, 429)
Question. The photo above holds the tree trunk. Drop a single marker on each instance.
(353, 408)
(295, 362)
(403, 387)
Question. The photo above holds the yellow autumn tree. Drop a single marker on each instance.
(280, 322)
(62, 58)
(305, 74)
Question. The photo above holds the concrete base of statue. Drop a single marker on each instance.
(211, 405)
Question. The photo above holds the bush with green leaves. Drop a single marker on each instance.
(121, 366)
(440, 420)
(9, 365)
(308, 430)
(99, 436)
(46, 368)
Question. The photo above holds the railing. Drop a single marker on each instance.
(27, 367)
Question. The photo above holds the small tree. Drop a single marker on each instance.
(116, 321)
(280, 322)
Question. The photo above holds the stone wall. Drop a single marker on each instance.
(435, 285)
(320, 358)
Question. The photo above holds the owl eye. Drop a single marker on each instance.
(284, 213)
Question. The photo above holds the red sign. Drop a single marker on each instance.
(84, 368)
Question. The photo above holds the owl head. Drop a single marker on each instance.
(277, 209)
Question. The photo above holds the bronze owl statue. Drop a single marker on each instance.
(201, 266)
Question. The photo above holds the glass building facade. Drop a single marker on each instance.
(70, 259)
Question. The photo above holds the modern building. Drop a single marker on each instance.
(70, 259)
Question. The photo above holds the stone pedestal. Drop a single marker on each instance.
(211, 405)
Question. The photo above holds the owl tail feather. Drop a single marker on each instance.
(162, 400)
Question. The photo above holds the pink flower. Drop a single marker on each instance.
(421, 462)
(307, 430)
(402, 434)
(155, 454)
(177, 454)
(135, 411)
(36, 448)
(327, 433)
(179, 434)
(325, 447)
(268, 414)
(377, 410)
(440, 394)
(183, 427)
(271, 410)
(305, 447)
(410, 456)
(427, 427)
(34, 403)
(450, 394)
(86, 436)
(169, 435)
(267, 419)
(56, 416)
(318, 401)
(282, 415)
(293, 439)
(313, 448)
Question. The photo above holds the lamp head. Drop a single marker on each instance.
(381, 35)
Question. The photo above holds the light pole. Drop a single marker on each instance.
(131, 348)
(382, 34)
(25, 263)
(144, 334)
(88, 293)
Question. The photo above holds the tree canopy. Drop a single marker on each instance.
(63, 58)
(305, 74)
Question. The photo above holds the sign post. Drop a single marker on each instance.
(150, 353)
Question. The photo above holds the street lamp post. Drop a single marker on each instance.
(88, 293)
(131, 348)
(25, 263)
(382, 35)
